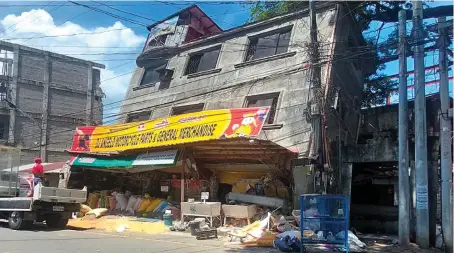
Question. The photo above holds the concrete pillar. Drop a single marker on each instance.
(90, 90)
(45, 108)
(347, 173)
(13, 96)
(304, 184)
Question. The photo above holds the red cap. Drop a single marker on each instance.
(38, 160)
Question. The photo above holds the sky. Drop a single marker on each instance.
(116, 43)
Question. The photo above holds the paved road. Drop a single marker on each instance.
(65, 241)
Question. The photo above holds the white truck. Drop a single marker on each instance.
(51, 204)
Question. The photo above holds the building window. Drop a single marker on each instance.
(263, 46)
(158, 41)
(151, 75)
(137, 117)
(262, 101)
(202, 61)
(187, 109)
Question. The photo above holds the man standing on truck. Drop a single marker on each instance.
(38, 171)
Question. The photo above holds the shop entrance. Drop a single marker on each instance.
(374, 199)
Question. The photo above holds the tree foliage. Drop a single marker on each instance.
(377, 86)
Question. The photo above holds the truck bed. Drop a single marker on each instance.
(60, 195)
(44, 194)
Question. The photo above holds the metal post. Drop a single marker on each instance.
(404, 179)
(315, 91)
(422, 176)
(445, 139)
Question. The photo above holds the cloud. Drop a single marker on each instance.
(116, 46)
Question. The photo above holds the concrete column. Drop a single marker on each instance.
(303, 183)
(45, 108)
(347, 171)
(13, 96)
(90, 90)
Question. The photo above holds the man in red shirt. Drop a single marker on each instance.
(38, 171)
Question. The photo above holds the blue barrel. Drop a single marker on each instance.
(168, 220)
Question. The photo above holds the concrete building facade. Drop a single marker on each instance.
(189, 64)
(43, 97)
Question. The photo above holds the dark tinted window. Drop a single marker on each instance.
(137, 117)
(265, 100)
(203, 61)
(268, 45)
(187, 109)
(151, 75)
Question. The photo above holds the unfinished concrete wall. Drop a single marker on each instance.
(27, 132)
(69, 75)
(53, 90)
(32, 67)
(30, 97)
(69, 103)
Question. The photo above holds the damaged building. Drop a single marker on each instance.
(190, 64)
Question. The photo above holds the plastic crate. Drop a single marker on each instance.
(327, 216)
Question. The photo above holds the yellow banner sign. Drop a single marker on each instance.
(186, 128)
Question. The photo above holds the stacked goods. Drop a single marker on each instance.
(145, 203)
(99, 204)
(92, 200)
(131, 203)
(157, 206)
(122, 201)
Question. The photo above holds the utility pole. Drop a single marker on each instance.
(315, 92)
(404, 178)
(445, 138)
(422, 175)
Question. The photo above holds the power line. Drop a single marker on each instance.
(172, 102)
(104, 106)
(200, 94)
(5, 34)
(132, 21)
(126, 12)
(72, 34)
(22, 20)
(52, 28)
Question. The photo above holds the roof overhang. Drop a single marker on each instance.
(241, 150)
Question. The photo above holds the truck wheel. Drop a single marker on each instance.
(16, 221)
(56, 221)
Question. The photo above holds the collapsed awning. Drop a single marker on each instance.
(239, 150)
(236, 150)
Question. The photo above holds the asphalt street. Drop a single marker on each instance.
(41, 239)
